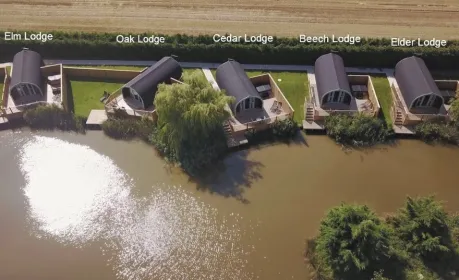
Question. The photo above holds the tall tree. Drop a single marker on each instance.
(353, 242)
(423, 226)
(190, 118)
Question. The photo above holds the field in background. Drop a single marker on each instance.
(373, 18)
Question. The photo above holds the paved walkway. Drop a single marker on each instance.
(210, 78)
(267, 67)
(4, 65)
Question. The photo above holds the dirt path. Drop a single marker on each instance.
(409, 18)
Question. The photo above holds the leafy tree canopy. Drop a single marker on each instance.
(423, 226)
(190, 118)
(353, 241)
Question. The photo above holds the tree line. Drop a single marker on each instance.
(419, 241)
(371, 52)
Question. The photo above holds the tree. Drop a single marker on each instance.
(190, 118)
(353, 242)
(423, 226)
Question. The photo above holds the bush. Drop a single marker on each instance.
(53, 117)
(354, 242)
(423, 226)
(279, 131)
(418, 242)
(432, 131)
(359, 130)
(285, 129)
(128, 128)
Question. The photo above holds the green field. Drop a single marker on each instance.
(294, 85)
(384, 94)
(87, 94)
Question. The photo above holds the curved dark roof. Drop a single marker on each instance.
(330, 74)
(26, 69)
(232, 78)
(146, 83)
(414, 79)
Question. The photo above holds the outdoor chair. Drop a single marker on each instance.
(274, 107)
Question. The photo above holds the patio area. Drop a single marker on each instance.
(130, 106)
(52, 95)
(272, 110)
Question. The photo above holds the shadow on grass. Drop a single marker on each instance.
(230, 177)
(70, 103)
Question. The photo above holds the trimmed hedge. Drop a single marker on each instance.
(53, 117)
(358, 130)
(370, 53)
(128, 128)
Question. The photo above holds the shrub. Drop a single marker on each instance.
(359, 130)
(128, 128)
(353, 242)
(279, 131)
(53, 117)
(285, 129)
(432, 131)
(423, 226)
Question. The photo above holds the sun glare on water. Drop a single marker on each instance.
(78, 196)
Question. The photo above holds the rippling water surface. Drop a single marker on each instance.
(76, 207)
(77, 196)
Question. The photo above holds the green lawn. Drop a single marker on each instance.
(383, 92)
(87, 94)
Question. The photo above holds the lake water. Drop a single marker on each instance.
(88, 207)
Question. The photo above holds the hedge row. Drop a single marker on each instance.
(369, 53)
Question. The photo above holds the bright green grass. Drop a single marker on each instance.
(87, 94)
(384, 94)
(294, 86)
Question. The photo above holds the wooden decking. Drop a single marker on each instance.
(308, 125)
(403, 130)
(96, 118)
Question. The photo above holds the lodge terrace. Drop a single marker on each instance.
(418, 97)
(30, 83)
(140, 92)
(334, 91)
(258, 100)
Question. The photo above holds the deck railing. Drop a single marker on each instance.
(265, 121)
(20, 108)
